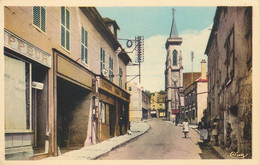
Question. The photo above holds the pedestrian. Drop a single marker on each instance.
(203, 128)
(176, 121)
(186, 128)
(215, 130)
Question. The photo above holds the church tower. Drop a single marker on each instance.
(173, 73)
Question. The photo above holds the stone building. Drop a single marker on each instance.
(188, 80)
(229, 51)
(195, 97)
(173, 73)
(56, 98)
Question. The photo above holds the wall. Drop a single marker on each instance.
(202, 95)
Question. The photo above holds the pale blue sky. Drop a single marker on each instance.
(150, 21)
(154, 23)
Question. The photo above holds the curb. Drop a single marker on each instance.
(119, 145)
(216, 152)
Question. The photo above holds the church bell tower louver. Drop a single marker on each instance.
(173, 73)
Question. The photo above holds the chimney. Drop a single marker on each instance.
(203, 69)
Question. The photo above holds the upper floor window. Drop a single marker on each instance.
(120, 77)
(229, 45)
(39, 17)
(111, 69)
(174, 57)
(65, 28)
(102, 59)
(84, 45)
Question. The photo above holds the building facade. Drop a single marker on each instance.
(139, 102)
(136, 113)
(195, 97)
(53, 90)
(146, 105)
(229, 51)
(173, 73)
(158, 104)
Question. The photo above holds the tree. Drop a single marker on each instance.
(162, 92)
(148, 93)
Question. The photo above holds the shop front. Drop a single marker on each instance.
(113, 110)
(26, 98)
(73, 103)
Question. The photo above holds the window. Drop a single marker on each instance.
(248, 36)
(111, 66)
(102, 59)
(120, 77)
(102, 107)
(229, 45)
(17, 95)
(174, 57)
(84, 45)
(39, 17)
(65, 28)
(130, 89)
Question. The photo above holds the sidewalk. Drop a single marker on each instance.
(95, 151)
(222, 154)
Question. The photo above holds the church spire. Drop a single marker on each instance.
(173, 33)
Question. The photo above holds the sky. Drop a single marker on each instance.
(154, 23)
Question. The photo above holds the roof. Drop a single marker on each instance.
(214, 28)
(125, 57)
(109, 20)
(188, 79)
(174, 32)
(98, 22)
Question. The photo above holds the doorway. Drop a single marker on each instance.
(112, 120)
(40, 109)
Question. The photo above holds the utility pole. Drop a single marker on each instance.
(139, 53)
(139, 42)
(192, 57)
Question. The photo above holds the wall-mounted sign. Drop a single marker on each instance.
(25, 48)
(107, 86)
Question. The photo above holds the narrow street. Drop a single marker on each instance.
(163, 141)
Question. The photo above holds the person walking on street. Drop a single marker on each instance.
(203, 128)
(186, 128)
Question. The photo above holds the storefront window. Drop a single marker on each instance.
(102, 107)
(17, 95)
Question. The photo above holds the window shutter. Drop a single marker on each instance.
(62, 36)
(67, 40)
(67, 19)
(86, 55)
(63, 16)
(82, 35)
(43, 18)
(36, 16)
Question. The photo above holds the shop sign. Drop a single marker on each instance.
(114, 90)
(23, 47)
